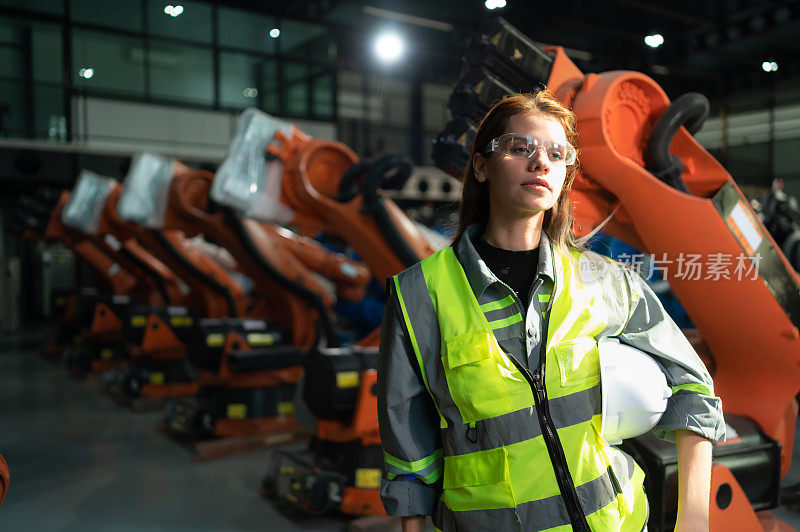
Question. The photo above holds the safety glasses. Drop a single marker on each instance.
(524, 146)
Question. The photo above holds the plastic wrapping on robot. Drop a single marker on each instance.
(85, 207)
(246, 180)
(145, 193)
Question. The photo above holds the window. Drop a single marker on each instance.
(247, 80)
(323, 95)
(184, 73)
(296, 88)
(49, 121)
(193, 24)
(115, 63)
(30, 78)
(310, 42)
(247, 30)
(53, 7)
(12, 109)
(120, 14)
(26, 44)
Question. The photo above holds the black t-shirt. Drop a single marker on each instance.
(517, 269)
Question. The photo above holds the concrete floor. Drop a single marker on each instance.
(80, 462)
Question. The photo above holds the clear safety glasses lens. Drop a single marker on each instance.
(523, 146)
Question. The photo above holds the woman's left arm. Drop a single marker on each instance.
(694, 481)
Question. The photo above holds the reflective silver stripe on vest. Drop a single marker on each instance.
(502, 313)
(533, 516)
(422, 315)
(521, 425)
(422, 473)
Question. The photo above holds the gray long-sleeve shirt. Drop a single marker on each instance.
(409, 423)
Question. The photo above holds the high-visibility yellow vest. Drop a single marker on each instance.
(532, 457)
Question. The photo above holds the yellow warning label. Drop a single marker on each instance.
(237, 411)
(156, 377)
(215, 340)
(181, 321)
(347, 379)
(479, 87)
(368, 478)
(517, 53)
(285, 408)
(462, 140)
(496, 39)
(260, 339)
(138, 321)
(106, 354)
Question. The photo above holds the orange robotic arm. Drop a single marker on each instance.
(616, 114)
(275, 259)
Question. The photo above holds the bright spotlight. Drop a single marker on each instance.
(769, 66)
(274, 33)
(654, 41)
(86, 73)
(495, 4)
(173, 11)
(388, 47)
(250, 92)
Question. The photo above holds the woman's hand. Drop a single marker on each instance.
(694, 481)
(414, 523)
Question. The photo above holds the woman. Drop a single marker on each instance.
(488, 383)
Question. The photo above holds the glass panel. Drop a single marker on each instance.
(24, 43)
(247, 30)
(301, 40)
(749, 163)
(122, 14)
(12, 99)
(54, 7)
(322, 97)
(193, 24)
(786, 151)
(49, 121)
(247, 80)
(181, 72)
(47, 53)
(296, 85)
(116, 63)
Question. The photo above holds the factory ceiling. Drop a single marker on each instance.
(717, 47)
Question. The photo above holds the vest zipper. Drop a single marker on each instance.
(555, 450)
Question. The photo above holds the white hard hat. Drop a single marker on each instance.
(634, 391)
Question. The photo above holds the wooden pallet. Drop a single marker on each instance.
(220, 447)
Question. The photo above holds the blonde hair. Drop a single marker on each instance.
(474, 206)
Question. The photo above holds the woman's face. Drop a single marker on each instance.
(525, 186)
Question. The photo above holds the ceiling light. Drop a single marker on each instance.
(86, 73)
(274, 33)
(389, 47)
(173, 11)
(659, 69)
(654, 41)
(769, 66)
(495, 4)
(250, 92)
